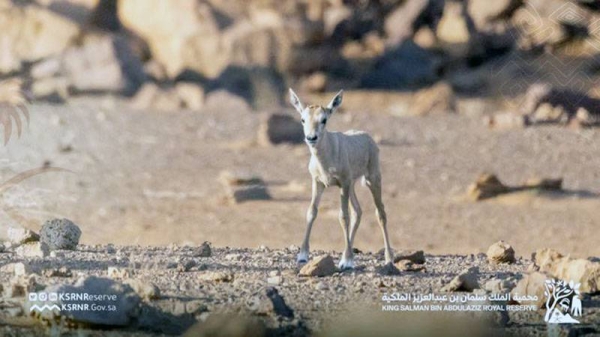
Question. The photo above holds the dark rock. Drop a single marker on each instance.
(389, 269)
(402, 23)
(262, 88)
(267, 301)
(60, 234)
(280, 128)
(103, 63)
(414, 256)
(406, 67)
(203, 250)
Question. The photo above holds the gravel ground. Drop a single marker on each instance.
(195, 288)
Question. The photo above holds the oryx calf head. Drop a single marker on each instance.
(314, 117)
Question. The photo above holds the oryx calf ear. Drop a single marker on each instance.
(336, 101)
(296, 101)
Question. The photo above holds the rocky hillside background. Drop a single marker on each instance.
(172, 54)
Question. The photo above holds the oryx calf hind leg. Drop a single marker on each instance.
(374, 185)
(311, 215)
(355, 215)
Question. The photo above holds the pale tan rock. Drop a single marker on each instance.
(568, 269)
(146, 290)
(501, 252)
(319, 267)
(531, 285)
(33, 249)
(30, 33)
(465, 281)
(436, 99)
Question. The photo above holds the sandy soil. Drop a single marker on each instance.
(147, 177)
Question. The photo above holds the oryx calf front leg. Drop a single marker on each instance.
(347, 260)
(311, 216)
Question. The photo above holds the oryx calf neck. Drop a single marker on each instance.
(340, 159)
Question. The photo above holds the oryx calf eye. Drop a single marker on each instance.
(302, 120)
(324, 121)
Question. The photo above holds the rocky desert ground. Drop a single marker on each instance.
(161, 131)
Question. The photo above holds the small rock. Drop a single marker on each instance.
(19, 236)
(500, 285)
(146, 290)
(267, 301)
(58, 272)
(506, 120)
(22, 285)
(279, 128)
(275, 280)
(389, 269)
(33, 249)
(501, 252)
(185, 266)
(243, 186)
(486, 186)
(321, 286)
(414, 256)
(316, 82)
(191, 95)
(23, 268)
(217, 276)
(440, 98)
(151, 96)
(203, 250)
(465, 281)
(319, 267)
(406, 265)
(119, 273)
(544, 184)
(60, 234)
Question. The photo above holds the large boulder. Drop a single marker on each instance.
(408, 66)
(186, 35)
(173, 28)
(568, 269)
(530, 287)
(30, 33)
(402, 23)
(103, 63)
(550, 22)
(484, 12)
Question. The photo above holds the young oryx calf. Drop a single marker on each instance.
(340, 159)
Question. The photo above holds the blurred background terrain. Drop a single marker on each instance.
(173, 119)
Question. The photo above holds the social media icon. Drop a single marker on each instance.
(53, 297)
(43, 296)
(33, 296)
